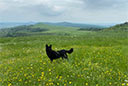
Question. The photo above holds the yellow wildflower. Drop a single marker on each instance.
(49, 70)
(97, 85)
(110, 83)
(20, 80)
(38, 80)
(123, 84)
(58, 84)
(70, 82)
(42, 73)
(64, 84)
(86, 83)
(9, 84)
(25, 75)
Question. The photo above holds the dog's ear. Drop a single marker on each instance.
(46, 45)
(50, 46)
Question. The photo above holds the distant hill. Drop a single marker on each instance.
(14, 24)
(118, 27)
(68, 24)
(24, 30)
(63, 28)
(36, 29)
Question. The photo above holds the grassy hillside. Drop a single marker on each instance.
(99, 59)
(14, 24)
(79, 25)
(39, 29)
(119, 27)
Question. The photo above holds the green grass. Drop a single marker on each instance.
(99, 59)
(40, 29)
(119, 27)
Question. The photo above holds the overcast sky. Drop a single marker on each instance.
(81, 11)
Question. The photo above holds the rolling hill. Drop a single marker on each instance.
(80, 25)
(44, 29)
(37, 29)
(14, 24)
(63, 28)
(118, 27)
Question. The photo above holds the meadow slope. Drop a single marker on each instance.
(99, 59)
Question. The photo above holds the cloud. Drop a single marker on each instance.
(44, 7)
(63, 10)
(105, 4)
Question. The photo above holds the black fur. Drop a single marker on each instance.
(57, 54)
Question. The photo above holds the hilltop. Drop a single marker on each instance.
(14, 24)
(62, 28)
(36, 29)
(118, 27)
(69, 24)
(44, 29)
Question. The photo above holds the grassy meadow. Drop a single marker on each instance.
(99, 59)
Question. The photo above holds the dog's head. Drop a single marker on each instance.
(48, 47)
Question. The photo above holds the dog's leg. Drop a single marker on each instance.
(51, 60)
(62, 57)
(65, 56)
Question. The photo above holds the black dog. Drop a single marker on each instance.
(57, 54)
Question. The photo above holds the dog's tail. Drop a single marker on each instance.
(70, 51)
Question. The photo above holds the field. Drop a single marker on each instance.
(99, 59)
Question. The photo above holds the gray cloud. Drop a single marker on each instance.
(105, 4)
(40, 8)
(64, 10)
